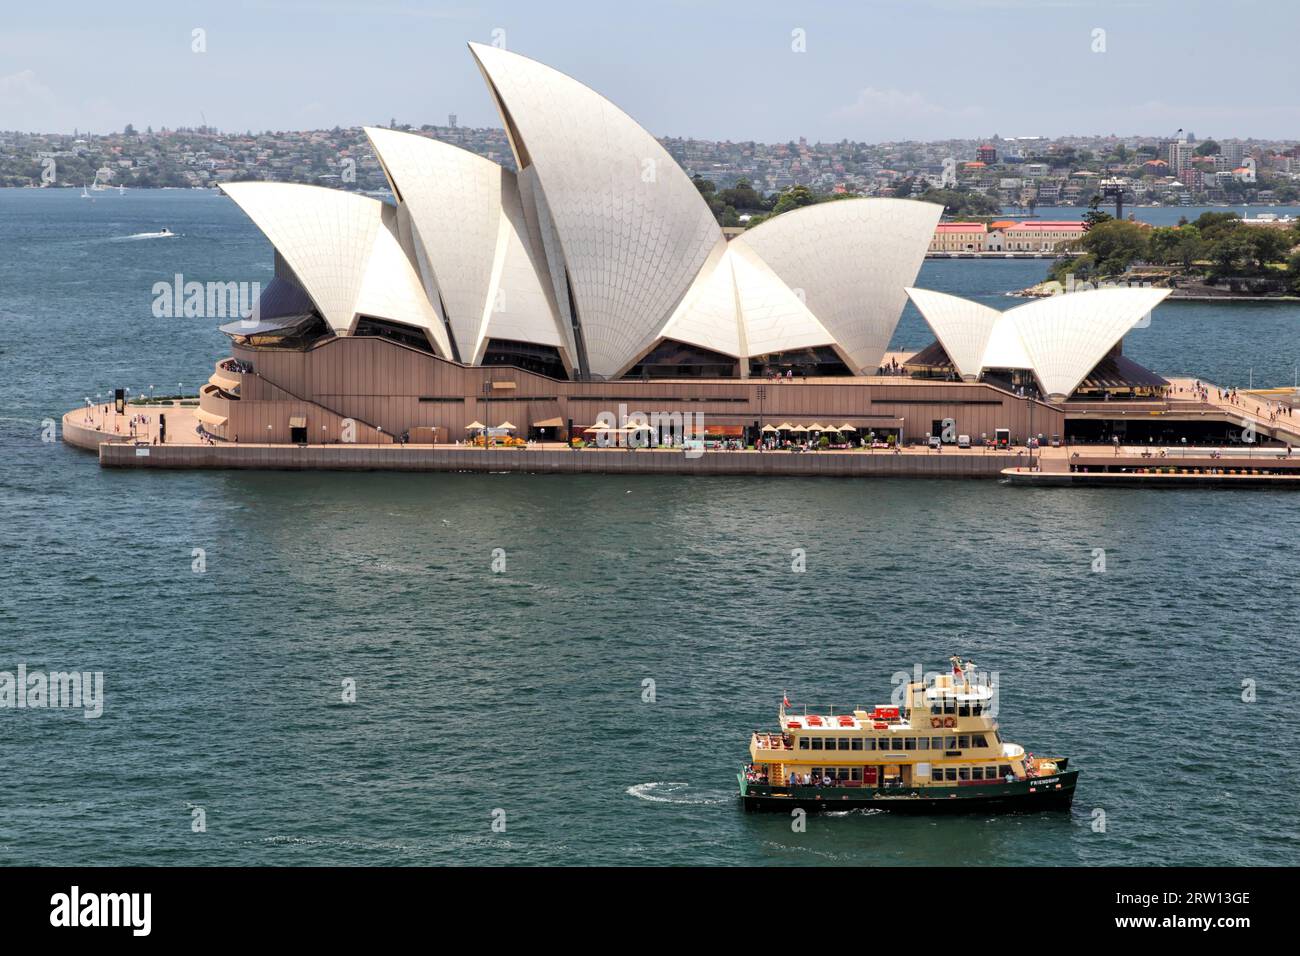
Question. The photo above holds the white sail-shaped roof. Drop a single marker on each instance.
(345, 253)
(962, 327)
(740, 307)
(709, 314)
(1060, 338)
(633, 230)
(1065, 336)
(774, 317)
(850, 260)
(468, 222)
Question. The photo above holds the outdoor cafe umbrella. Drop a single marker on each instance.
(472, 426)
(770, 428)
(846, 427)
(798, 428)
(785, 427)
(506, 426)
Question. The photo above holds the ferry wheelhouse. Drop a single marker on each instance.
(940, 751)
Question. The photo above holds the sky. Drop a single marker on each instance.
(870, 70)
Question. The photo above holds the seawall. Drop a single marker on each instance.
(949, 464)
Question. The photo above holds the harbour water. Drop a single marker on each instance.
(526, 691)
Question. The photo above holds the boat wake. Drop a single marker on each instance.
(165, 234)
(671, 792)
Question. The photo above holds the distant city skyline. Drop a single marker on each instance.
(880, 71)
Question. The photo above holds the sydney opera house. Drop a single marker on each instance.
(596, 277)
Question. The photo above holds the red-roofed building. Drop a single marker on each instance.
(958, 237)
(1041, 235)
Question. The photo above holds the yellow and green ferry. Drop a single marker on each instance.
(940, 751)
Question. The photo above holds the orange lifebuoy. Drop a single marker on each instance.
(936, 721)
(950, 721)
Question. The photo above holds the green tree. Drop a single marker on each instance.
(1293, 271)
(1215, 224)
(1115, 245)
(743, 196)
(793, 198)
(1269, 245)
(1231, 253)
(1094, 216)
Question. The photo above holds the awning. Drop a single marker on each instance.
(283, 323)
(497, 386)
(209, 418)
(297, 421)
(549, 423)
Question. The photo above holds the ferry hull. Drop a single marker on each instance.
(1022, 796)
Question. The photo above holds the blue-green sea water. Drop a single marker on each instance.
(525, 691)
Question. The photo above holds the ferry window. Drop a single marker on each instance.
(963, 773)
(990, 773)
(816, 743)
(950, 706)
(950, 743)
(1004, 770)
(909, 743)
(855, 743)
(977, 773)
(936, 707)
(898, 744)
(869, 743)
(844, 773)
(936, 743)
(950, 773)
(963, 710)
(817, 774)
(980, 740)
(977, 708)
(855, 773)
(844, 743)
(803, 743)
(963, 742)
